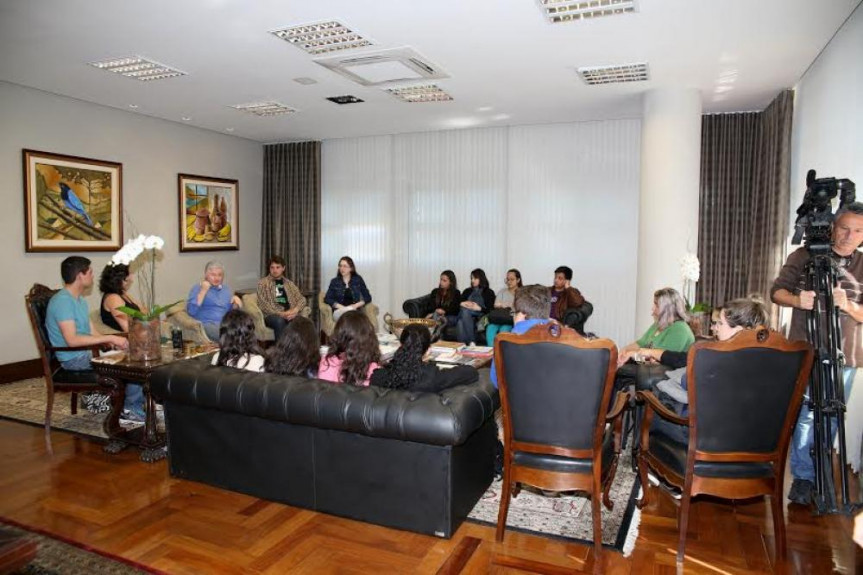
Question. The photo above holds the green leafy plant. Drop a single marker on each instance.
(147, 274)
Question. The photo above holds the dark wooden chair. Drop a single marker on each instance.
(555, 387)
(56, 378)
(744, 395)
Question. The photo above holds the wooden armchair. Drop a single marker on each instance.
(57, 379)
(744, 395)
(555, 386)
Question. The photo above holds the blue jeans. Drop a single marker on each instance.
(276, 323)
(134, 394)
(212, 331)
(802, 466)
(466, 326)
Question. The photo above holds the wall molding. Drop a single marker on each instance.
(19, 370)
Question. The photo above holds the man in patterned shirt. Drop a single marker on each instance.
(279, 299)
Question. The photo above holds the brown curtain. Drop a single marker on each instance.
(743, 211)
(291, 218)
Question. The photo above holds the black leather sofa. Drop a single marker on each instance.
(414, 461)
(574, 317)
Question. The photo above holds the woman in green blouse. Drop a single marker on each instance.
(669, 331)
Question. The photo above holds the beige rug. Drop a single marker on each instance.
(25, 401)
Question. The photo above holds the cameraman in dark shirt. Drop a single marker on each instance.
(788, 290)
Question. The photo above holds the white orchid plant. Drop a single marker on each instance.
(690, 269)
(147, 274)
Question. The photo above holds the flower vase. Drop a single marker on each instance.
(145, 339)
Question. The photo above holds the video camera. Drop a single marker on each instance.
(815, 215)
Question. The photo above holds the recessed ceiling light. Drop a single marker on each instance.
(500, 117)
(569, 10)
(305, 81)
(229, 129)
(133, 106)
(344, 99)
(138, 68)
(419, 94)
(593, 75)
(322, 38)
(187, 119)
(265, 108)
(484, 109)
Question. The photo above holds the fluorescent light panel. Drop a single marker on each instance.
(420, 94)
(569, 10)
(138, 68)
(623, 73)
(265, 108)
(322, 38)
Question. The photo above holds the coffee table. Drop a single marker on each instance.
(115, 371)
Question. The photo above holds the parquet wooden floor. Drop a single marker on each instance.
(133, 509)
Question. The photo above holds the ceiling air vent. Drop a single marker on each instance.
(383, 67)
(344, 99)
(265, 108)
(570, 10)
(614, 74)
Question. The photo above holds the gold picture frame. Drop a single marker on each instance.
(209, 214)
(72, 204)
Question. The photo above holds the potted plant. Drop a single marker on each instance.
(699, 313)
(144, 326)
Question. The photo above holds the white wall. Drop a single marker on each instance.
(827, 133)
(152, 152)
(408, 206)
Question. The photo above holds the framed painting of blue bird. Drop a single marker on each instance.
(72, 204)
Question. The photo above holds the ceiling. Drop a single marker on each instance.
(506, 64)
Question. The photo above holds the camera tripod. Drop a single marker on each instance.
(826, 390)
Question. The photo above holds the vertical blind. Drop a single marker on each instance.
(406, 207)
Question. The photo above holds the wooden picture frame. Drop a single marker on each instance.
(72, 204)
(209, 213)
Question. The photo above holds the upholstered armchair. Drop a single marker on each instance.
(555, 387)
(419, 307)
(262, 332)
(576, 317)
(744, 395)
(328, 324)
(193, 330)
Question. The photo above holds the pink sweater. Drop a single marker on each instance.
(330, 368)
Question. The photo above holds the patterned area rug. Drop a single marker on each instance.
(61, 556)
(568, 516)
(25, 401)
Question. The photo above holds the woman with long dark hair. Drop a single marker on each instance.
(297, 351)
(406, 370)
(114, 283)
(238, 345)
(347, 291)
(354, 351)
(445, 299)
(476, 301)
(500, 318)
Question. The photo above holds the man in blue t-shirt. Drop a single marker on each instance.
(210, 300)
(532, 304)
(67, 321)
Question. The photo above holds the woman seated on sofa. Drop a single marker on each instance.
(347, 291)
(669, 330)
(114, 283)
(406, 370)
(297, 352)
(500, 318)
(735, 316)
(354, 351)
(476, 301)
(445, 299)
(238, 345)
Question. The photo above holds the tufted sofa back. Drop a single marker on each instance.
(448, 418)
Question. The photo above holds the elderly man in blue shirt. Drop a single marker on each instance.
(210, 300)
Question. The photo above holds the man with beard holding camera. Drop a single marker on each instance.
(789, 290)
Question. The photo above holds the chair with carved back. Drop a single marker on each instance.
(57, 379)
(555, 387)
(744, 394)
